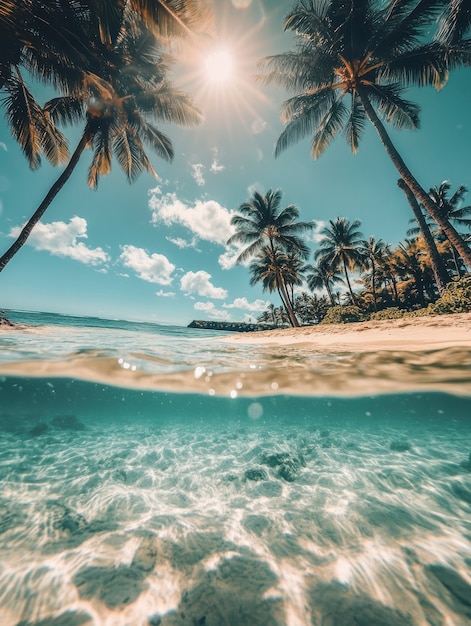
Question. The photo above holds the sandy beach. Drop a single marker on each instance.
(419, 333)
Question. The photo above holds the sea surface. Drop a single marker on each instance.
(156, 475)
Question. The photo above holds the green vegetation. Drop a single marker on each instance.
(344, 315)
(106, 61)
(455, 299)
(351, 66)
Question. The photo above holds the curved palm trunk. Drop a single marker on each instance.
(51, 194)
(439, 270)
(354, 300)
(455, 260)
(406, 175)
(419, 285)
(283, 292)
(329, 291)
(373, 283)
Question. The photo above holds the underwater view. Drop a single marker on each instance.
(157, 475)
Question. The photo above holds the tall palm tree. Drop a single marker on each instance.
(323, 276)
(272, 267)
(341, 247)
(373, 251)
(118, 103)
(53, 42)
(261, 225)
(451, 210)
(410, 261)
(438, 266)
(369, 51)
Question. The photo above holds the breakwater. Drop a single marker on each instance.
(239, 327)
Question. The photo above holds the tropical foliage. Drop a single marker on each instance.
(269, 234)
(352, 63)
(118, 90)
(378, 281)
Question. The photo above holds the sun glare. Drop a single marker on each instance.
(219, 66)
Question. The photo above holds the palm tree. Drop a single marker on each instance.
(273, 269)
(118, 103)
(373, 252)
(53, 41)
(370, 51)
(410, 261)
(323, 276)
(341, 247)
(261, 225)
(438, 266)
(452, 211)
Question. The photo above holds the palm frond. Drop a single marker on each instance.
(31, 126)
(355, 124)
(158, 141)
(175, 18)
(427, 64)
(303, 114)
(66, 109)
(455, 21)
(399, 112)
(101, 161)
(328, 128)
(170, 105)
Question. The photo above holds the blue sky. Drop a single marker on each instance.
(155, 250)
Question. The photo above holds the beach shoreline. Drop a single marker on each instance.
(409, 334)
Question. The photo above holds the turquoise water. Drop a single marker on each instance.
(157, 475)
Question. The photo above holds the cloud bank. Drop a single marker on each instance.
(61, 239)
(153, 268)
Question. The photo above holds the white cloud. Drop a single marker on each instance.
(182, 243)
(212, 312)
(208, 220)
(242, 303)
(165, 294)
(215, 165)
(4, 146)
(197, 173)
(315, 234)
(199, 283)
(60, 239)
(256, 186)
(153, 268)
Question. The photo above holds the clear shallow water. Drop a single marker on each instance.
(195, 489)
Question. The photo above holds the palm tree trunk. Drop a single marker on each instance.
(329, 291)
(51, 194)
(455, 260)
(354, 301)
(282, 291)
(440, 273)
(373, 283)
(406, 175)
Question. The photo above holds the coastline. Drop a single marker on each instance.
(410, 334)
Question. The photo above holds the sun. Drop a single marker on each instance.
(219, 67)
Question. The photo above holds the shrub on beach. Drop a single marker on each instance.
(456, 298)
(344, 315)
(392, 313)
(419, 312)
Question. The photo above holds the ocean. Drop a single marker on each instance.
(157, 475)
